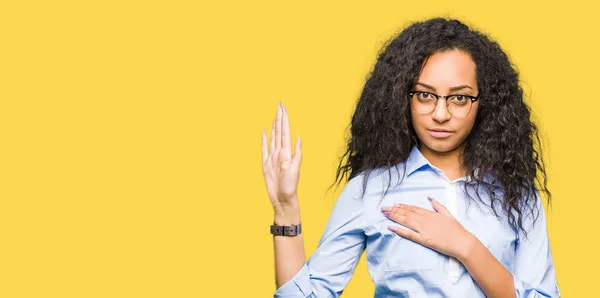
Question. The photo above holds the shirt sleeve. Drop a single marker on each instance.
(330, 267)
(534, 274)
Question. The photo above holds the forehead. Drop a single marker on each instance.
(447, 69)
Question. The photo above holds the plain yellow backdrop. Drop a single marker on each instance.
(130, 134)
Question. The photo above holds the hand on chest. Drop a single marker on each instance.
(406, 255)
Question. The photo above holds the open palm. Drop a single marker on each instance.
(280, 169)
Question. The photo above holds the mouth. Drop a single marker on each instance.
(440, 133)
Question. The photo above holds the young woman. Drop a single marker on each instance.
(442, 114)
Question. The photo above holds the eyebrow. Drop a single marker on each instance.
(455, 88)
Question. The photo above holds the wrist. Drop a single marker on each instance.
(287, 219)
(287, 214)
(470, 245)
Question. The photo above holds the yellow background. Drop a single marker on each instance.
(130, 134)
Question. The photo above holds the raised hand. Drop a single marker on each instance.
(282, 170)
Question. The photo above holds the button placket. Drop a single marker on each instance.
(452, 264)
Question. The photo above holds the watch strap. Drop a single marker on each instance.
(286, 230)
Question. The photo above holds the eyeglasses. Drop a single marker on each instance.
(458, 105)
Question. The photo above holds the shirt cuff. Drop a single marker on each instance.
(525, 290)
(298, 286)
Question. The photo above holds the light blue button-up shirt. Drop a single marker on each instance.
(403, 268)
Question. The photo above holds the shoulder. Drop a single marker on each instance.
(374, 180)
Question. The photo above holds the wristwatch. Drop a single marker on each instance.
(286, 230)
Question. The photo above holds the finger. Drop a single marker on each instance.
(286, 142)
(406, 220)
(414, 212)
(404, 209)
(265, 151)
(411, 208)
(278, 127)
(297, 153)
(272, 137)
(395, 210)
(439, 207)
(408, 234)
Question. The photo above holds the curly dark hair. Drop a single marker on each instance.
(502, 144)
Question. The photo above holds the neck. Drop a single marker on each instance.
(449, 162)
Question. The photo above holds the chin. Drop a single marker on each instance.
(441, 146)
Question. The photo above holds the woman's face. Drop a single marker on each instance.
(444, 73)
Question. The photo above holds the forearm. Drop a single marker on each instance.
(491, 276)
(289, 250)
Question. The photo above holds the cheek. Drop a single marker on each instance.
(416, 120)
(465, 127)
(469, 122)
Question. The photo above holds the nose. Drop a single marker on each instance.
(440, 113)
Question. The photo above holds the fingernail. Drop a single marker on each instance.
(284, 110)
(386, 209)
(392, 228)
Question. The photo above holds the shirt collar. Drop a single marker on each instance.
(416, 161)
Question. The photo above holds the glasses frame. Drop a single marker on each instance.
(437, 97)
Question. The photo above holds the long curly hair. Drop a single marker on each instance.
(504, 143)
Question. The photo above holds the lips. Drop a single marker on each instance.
(440, 133)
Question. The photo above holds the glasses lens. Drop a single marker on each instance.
(423, 102)
(459, 106)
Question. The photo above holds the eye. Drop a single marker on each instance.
(460, 98)
(424, 95)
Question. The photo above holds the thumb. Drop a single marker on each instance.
(297, 159)
(439, 207)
